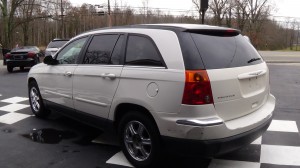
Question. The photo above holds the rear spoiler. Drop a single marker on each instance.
(215, 32)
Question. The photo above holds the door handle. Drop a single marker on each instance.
(68, 74)
(108, 75)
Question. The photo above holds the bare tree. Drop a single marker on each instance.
(241, 14)
(197, 4)
(229, 13)
(259, 10)
(219, 9)
(8, 9)
(293, 33)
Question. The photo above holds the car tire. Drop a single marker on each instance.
(140, 139)
(10, 68)
(36, 101)
(37, 59)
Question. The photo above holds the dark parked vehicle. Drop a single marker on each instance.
(26, 56)
(4, 52)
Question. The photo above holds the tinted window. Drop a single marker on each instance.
(225, 51)
(190, 53)
(141, 51)
(117, 53)
(100, 49)
(70, 53)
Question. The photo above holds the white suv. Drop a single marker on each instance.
(191, 89)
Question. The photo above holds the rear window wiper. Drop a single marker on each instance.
(253, 60)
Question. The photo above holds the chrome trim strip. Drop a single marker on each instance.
(93, 76)
(201, 122)
(91, 102)
(99, 65)
(146, 67)
(252, 74)
(58, 94)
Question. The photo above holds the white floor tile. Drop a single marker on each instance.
(15, 100)
(215, 163)
(280, 155)
(257, 141)
(13, 107)
(12, 118)
(283, 126)
(119, 159)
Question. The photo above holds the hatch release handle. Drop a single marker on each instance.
(252, 74)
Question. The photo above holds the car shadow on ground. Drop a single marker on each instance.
(84, 135)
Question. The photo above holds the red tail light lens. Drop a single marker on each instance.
(7, 56)
(197, 89)
(31, 55)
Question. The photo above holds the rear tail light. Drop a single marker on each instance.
(31, 55)
(197, 89)
(7, 56)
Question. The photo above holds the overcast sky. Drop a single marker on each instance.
(289, 8)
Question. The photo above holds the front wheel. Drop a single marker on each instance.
(36, 102)
(140, 140)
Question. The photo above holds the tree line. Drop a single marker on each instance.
(37, 22)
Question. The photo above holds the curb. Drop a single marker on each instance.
(283, 62)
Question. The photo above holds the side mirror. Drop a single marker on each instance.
(50, 61)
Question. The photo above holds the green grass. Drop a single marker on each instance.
(289, 49)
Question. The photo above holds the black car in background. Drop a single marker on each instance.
(4, 52)
(26, 56)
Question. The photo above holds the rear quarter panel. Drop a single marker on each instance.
(138, 83)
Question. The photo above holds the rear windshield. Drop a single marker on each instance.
(25, 49)
(56, 44)
(225, 51)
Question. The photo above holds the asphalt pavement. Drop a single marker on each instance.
(281, 56)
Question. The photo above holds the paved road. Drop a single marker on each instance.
(280, 57)
(278, 148)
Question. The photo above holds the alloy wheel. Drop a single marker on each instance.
(137, 141)
(35, 99)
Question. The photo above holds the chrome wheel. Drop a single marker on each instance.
(137, 141)
(35, 99)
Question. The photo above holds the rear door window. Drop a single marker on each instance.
(141, 51)
(100, 49)
(225, 51)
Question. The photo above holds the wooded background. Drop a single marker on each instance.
(37, 22)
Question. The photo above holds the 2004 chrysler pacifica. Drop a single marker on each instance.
(195, 89)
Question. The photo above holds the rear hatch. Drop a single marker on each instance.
(238, 75)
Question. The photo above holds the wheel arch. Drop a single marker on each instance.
(31, 79)
(125, 108)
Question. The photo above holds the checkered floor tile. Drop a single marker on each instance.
(11, 108)
(278, 147)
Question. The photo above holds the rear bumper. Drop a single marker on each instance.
(211, 148)
(20, 63)
(203, 123)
